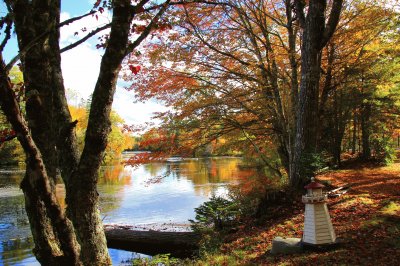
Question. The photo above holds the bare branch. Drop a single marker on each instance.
(7, 31)
(42, 35)
(71, 20)
(89, 35)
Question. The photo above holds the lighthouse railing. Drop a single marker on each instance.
(314, 198)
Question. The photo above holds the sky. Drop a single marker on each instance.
(81, 65)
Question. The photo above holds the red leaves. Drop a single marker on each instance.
(6, 135)
(138, 28)
(99, 9)
(140, 10)
(163, 26)
(134, 69)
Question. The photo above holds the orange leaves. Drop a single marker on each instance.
(145, 157)
(160, 83)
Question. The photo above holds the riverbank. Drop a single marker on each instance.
(366, 218)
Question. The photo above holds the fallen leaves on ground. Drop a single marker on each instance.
(366, 219)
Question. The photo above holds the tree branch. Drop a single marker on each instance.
(89, 35)
(46, 32)
(7, 31)
(71, 20)
(332, 22)
(147, 30)
(299, 10)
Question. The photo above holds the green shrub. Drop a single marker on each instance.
(218, 213)
(384, 151)
(311, 163)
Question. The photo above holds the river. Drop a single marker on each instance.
(151, 194)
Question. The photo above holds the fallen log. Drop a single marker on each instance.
(178, 244)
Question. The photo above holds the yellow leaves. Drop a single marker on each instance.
(117, 140)
(80, 114)
(391, 208)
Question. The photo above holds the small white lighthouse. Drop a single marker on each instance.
(318, 227)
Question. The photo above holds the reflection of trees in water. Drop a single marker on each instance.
(211, 170)
(11, 178)
(155, 169)
(114, 175)
(16, 250)
(111, 183)
(204, 173)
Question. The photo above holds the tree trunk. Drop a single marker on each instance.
(366, 131)
(316, 34)
(82, 195)
(37, 26)
(55, 242)
(178, 244)
(354, 136)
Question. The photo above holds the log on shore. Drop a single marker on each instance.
(178, 244)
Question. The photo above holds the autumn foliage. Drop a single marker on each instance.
(232, 71)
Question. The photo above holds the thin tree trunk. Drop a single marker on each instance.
(354, 136)
(366, 131)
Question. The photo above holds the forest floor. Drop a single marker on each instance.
(366, 219)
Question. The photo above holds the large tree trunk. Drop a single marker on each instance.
(52, 146)
(316, 34)
(36, 24)
(55, 242)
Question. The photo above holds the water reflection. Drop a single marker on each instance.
(15, 241)
(153, 193)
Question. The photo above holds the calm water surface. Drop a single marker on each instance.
(154, 193)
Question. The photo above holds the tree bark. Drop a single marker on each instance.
(366, 131)
(316, 34)
(52, 147)
(82, 195)
(178, 244)
(354, 135)
(52, 231)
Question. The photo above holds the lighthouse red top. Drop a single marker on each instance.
(314, 184)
